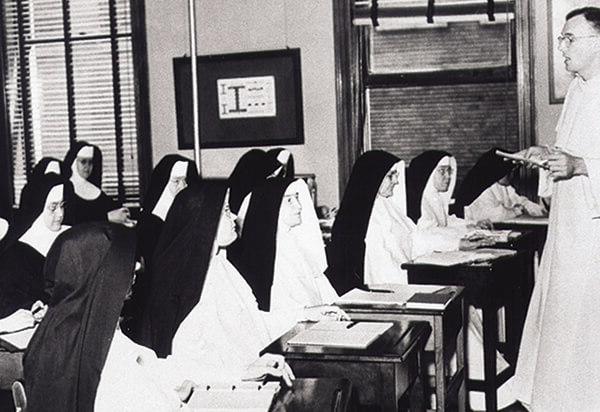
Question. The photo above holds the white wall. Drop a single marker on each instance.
(233, 26)
(546, 114)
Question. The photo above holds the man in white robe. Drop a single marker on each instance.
(559, 361)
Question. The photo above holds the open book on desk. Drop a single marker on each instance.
(458, 257)
(341, 334)
(238, 396)
(385, 296)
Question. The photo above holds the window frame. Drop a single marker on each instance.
(141, 91)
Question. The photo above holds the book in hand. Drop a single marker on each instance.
(435, 301)
(341, 334)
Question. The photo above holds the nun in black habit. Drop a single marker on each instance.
(84, 199)
(78, 360)
(45, 166)
(250, 172)
(346, 251)
(170, 176)
(283, 258)
(36, 226)
(486, 192)
(202, 315)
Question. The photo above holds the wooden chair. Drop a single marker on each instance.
(19, 398)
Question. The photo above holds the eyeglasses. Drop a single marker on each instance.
(568, 39)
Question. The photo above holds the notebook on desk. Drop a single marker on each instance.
(433, 301)
(240, 396)
(350, 335)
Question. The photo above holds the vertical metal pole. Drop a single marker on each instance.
(193, 54)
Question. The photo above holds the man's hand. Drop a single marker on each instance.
(563, 166)
(269, 364)
(540, 153)
(321, 312)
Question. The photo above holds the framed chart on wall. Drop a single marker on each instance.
(245, 99)
(559, 77)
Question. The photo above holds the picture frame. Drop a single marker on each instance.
(245, 99)
(559, 77)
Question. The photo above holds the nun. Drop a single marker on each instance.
(374, 177)
(170, 176)
(85, 201)
(486, 192)
(22, 282)
(202, 315)
(45, 166)
(283, 257)
(78, 360)
(36, 226)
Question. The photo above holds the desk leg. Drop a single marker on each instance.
(461, 358)
(490, 342)
(440, 364)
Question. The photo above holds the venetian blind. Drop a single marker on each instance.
(465, 117)
(69, 76)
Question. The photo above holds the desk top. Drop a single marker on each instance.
(393, 346)
(489, 257)
(396, 301)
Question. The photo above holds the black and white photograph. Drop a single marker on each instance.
(299, 206)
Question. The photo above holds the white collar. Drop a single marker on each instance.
(82, 187)
(39, 237)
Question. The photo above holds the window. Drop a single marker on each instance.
(449, 86)
(70, 74)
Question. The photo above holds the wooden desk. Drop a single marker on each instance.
(538, 226)
(448, 337)
(386, 376)
(488, 286)
(309, 395)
